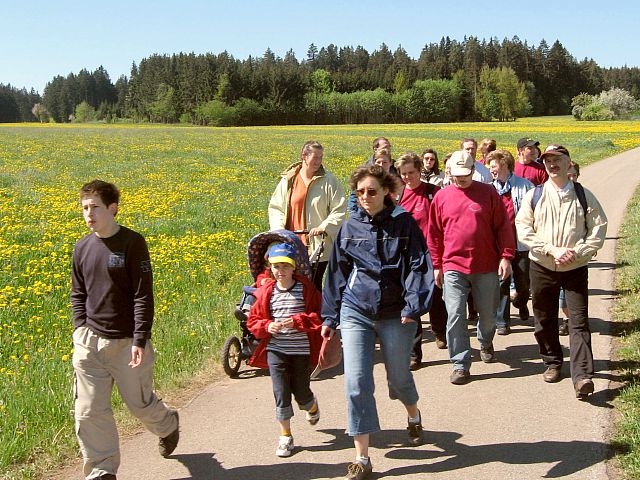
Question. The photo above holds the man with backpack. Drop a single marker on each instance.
(564, 226)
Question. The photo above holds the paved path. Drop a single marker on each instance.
(506, 424)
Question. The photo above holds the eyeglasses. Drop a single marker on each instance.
(372, 192)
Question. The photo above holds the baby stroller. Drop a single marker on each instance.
(236, 350)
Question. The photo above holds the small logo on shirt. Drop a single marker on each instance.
(116, 260)
(145, 266)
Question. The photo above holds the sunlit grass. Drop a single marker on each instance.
(626, 439)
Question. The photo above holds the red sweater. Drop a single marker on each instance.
(417, 202)
(534, 172)
(309, 321)
(469, 230)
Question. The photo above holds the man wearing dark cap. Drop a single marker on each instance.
(562, 238)
(526, 165)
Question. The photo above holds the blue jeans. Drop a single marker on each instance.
(290, 374)
(358, 334)
(485, 289)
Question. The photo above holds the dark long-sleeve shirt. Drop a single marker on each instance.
(112, 286)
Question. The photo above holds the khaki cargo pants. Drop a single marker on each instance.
(99, 362)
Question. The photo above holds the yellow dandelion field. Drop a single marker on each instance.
(198, 195)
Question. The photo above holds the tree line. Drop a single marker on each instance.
(450, 81)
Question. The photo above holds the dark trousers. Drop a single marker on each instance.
(503, 315)
(318, 274)
(545, 288)
(290, 374)
(520, 266)
(438, 320)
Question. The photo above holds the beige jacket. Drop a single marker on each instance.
(561, 223)
(325, 206)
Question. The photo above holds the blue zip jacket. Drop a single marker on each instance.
(380, 267)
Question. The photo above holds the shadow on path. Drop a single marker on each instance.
(569, 457)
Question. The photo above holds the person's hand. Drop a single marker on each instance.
(288, 323)
(327, 332)
(274, 327)
(407, 320)
(438, 276)
(316, 231)
(137, 355)
(504, 269)
(563, 255)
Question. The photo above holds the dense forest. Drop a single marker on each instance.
(450, 81)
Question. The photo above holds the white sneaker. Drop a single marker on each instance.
(285, 446)
(314, 418)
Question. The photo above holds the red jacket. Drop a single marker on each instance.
(309, 321)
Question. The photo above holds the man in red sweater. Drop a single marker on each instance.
(526, 165)
(471, 244)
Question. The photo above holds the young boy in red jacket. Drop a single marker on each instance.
(285, 317)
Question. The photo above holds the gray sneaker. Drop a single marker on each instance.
(487, 354)
(459, 377)
(358, 471)
(168, 444)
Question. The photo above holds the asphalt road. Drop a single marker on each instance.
(507, 423)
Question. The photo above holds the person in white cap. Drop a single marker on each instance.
(471, 242)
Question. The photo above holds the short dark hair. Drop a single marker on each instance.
(376, 142)
(107, 192)
(465, 140)
(385, 179)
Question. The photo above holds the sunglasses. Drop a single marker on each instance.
(372, 192)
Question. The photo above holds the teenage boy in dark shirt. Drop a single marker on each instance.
(112, 304)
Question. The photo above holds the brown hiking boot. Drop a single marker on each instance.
(552, 375)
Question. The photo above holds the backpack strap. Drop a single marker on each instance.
(537, 193)
(582, 198)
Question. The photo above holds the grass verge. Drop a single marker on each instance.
(626, 437)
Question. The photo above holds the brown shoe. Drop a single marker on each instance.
(415, 364)
(584, 388)
(552, 375)
(441, 342)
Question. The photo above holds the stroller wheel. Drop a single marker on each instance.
(231, 356)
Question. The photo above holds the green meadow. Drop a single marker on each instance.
(198, 195)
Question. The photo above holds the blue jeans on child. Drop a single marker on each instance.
(485, 290)
(290, 374)
(358, 334)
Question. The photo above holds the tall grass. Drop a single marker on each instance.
(626, 439)
(198, 195)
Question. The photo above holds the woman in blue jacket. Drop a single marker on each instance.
(379, 284)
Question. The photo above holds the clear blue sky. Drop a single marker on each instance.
(40, 39)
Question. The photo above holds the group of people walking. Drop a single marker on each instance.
(474, 236)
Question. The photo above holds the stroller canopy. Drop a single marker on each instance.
(259, 244)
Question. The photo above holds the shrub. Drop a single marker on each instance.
(84, 113)
(597, 111)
